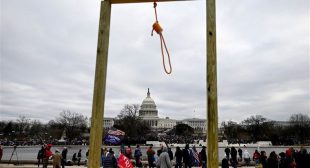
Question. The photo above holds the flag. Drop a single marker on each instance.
(124, 162)
(112, 139)
(195, 157)
(116, 132)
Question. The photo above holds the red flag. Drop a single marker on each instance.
(124, 162)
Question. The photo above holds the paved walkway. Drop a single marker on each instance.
(32, 166)
(35, 166)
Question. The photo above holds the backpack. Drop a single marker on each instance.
(137, 153)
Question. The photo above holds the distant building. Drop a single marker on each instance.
(199, 125)
(149, 114)
(282, 123)
(108, 122)
(148, 111)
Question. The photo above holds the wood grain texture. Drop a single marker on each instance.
(99, 86)
(212, 130)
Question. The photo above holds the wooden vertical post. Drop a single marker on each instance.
(99, 85)
(212, 87)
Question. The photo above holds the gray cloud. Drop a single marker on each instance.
(48, 52)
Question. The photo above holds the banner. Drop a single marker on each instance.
(124, 162)
(112, 139)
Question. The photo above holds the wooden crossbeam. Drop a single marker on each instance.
(141, 1)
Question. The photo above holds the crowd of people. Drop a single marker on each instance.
(187, 157)
(45, 154)
(38, 141)
(163, 157)
(291, 158)
(58, 159)
(178, 139)
(80, 141)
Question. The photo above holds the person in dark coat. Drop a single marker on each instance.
(64, 157)
(79, 157)
(233, 153)
(178, 157)
(303, 159)
(203, 157)
(40, 156)
(263, 159)
(74, 159)
(137, 156)
(225, 163)
(272, 161)
(160, 150)
(170, 154)
(227, 152)
(110, 161)
(282, 163)
(240, 154)
(187, 156)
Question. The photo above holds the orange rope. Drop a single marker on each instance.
(159, 31)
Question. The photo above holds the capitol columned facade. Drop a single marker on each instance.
(148, 113)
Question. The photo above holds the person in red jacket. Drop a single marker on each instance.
(150, 156)
(47, 154)
(256, 156)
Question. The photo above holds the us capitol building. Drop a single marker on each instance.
(148, 113)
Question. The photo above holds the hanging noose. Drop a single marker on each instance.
(159, 31)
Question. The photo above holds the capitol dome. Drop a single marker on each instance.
(148, 107)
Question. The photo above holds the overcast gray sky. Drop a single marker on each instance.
(48, 51)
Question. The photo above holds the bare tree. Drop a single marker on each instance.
(8, 127)
(23, 124)
(129, 121)
(129, 111)
(73, 123)
(255, 120)
(53, 129)
(300, 119)
(36, 127)
(255, 126)
(300, 126)
(234, 132)
(230, 130)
